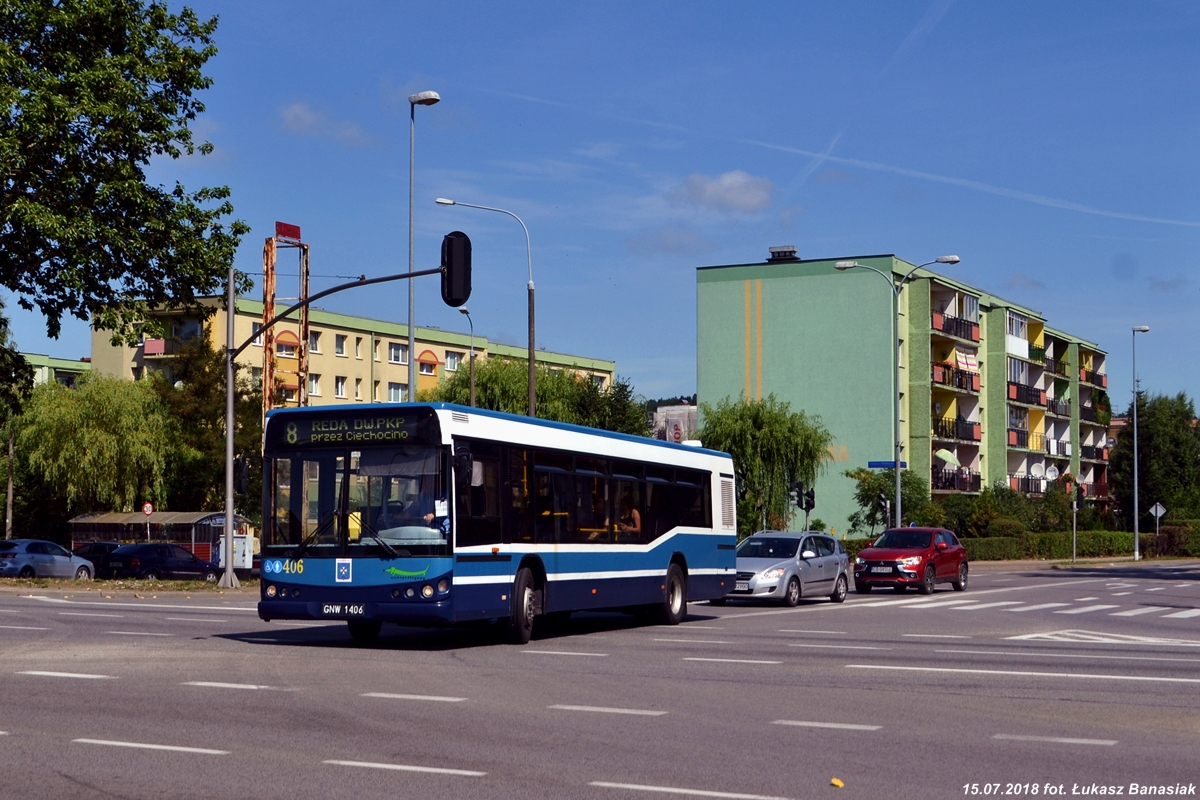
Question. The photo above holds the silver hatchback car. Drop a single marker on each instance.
(34, 558)
(774, 565)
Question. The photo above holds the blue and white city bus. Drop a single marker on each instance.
(436, 514)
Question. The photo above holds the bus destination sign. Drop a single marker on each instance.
(325, 428)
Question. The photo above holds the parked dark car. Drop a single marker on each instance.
(34, 558)
(160, 560)
(97, 553)
(920, 557)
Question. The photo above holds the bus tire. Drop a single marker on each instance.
(520, 623)
(674, 603)
(364, 630)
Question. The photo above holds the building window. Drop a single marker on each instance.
(598, 382)
(256, 377)
(339, 386)
(453, 361)
(314, 341)
(1018, 371)
(396, 393)
(1018, 418)
(1018, 325)
(375, 350)
(256, 331)
(426, 368)
(397, 353)
(285, 350)
(375, 392)
(970, 308)
(358, 347)
(314, 384)
(339, 345)
(289, 394)
(358, 388)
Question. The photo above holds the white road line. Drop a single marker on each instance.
(936, 635)
(3, 733)
(1146, 679)
(562, 653)
(637, 787)
(733, 660)
(138, 633)
(988, 605)
(838, 725)
(841, 646)
(1055, 739)
(694, 641)
(940, 603)
(44, 674)
(435, 698)
(143, 746)
(1137, 612)
(1085, 609)
(1156, 589)
(1034, 654)
(470, 773)
(87, 614)
(602, 710)
(1191, 612)
(1177, 586)
(22, 628)
(702, 628)
(1121, 594)
(217, 685)
(839, 633)
(9, 611)
(1038, 607)
(202, 619)
(1085, 599)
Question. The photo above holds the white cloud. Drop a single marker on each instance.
(729, 191)
(303, 119)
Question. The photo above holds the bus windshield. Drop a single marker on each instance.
(377, 501)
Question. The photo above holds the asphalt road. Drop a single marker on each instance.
(1048, 678)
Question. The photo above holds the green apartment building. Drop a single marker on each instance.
(989, 392)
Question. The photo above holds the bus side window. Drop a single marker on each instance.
(519, 490)
(553, 522)
(592, 509)
(479, 503)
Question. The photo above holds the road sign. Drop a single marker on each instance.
(886, 464)
(1157, 510)
(148, 509)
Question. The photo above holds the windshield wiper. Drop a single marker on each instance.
(368, 531)
(303, 546)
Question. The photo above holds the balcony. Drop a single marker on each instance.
(955, 378)
(1087, 413)
(1060, 407)
(1057, 367)
(1093, 453)
(1037, 441)
(954, 480)
(1021, 393)
(1018, 438)
(1059, 448)
(1027, 484)
(955, 326)
(1097, 490)
(1094, 378)
(1037, 354)
(962, 429)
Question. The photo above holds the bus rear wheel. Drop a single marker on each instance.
(364, 630)
(674, 603)
(524, 607)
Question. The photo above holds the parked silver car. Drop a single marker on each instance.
(773, 565)
(34, 558)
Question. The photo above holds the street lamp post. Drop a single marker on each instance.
(442, 201)
(897, 287)
(471, 368)
(1137, 556)
(414, 100)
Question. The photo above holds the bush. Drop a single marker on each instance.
(1173, 540)
(1054, 546)
(993, 548)
(1005, 527)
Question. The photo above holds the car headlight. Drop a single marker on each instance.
(911, 561)
(773, 574)
(858, 560)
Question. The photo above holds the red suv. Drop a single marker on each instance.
(903, 557)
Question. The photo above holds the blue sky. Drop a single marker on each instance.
(1051, 146)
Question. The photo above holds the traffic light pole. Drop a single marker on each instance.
(229, 579)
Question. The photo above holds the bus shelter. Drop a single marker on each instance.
(198, 531)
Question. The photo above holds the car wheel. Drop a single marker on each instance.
(674, 603)
(27, 572)
(792, 596)
(961, 583)
(364, 630)
(930, 578)
(82, 574)
(863, 588)
(900, 588)
(210, 576)
(839, 590)
(520, 623)
(717, 601)
(150, 575)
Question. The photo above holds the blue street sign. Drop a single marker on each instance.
(886, 464)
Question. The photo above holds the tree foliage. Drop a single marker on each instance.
(90, 92)
(16, 376)
(869, 483)
(502, 384)
(1168, 460)
(772, 447)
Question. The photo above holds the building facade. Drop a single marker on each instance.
(349, 359)
(989, 392)
(48, 368)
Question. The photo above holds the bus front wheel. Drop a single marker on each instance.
(520, 623)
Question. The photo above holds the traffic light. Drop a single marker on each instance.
(810, 500)
(456, 268)
(241, 474)
(796, 493)
(883, 502)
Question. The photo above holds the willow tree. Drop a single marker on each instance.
(772, 447)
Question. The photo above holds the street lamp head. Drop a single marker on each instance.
(424, 98)
(464, 310)
(442, 201)
(1141, 328)
(947, 259)
(845, 265)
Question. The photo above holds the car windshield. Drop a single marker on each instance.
(768, 547)
(903, 540)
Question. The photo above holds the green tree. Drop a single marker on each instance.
(502, 384)
(1168, 460)
(91, 91)
(772, 447)
(870, 483)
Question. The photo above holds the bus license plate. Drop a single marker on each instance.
(742, 586)
(342, 610)
(881, 569)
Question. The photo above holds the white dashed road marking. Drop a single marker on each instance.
(1054, 739)
(470, 773)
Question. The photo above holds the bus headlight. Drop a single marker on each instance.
(443, 585)
(427, 591)
(271, 590)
